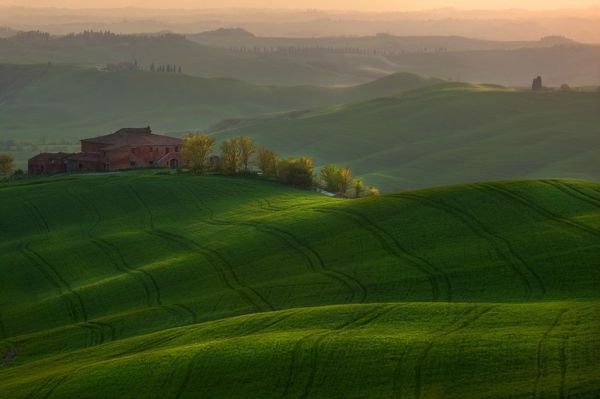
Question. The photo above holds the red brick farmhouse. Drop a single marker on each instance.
(125, 149)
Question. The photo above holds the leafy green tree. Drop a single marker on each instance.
(330, 177)
(7, 164)
(358, 188)
(231, 158)
(372, 192)
(296, 172)
(267, 162)
(246, 150)
(345, 179)
(196, 149)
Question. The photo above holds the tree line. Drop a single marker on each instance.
(240, 156)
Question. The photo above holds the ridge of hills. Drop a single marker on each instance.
(179, 286)
(443, 134)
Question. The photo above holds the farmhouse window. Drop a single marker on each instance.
(167, 150)
(133, 150)
(176, 148)
(150, 149)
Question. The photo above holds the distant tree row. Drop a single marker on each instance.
(296, 50)
(239, 155)
(166, 69)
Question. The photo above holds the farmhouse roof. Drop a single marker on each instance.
(48, 156)
(133, 137)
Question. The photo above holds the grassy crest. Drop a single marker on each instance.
(62, 101)
(444, 134)
(147, 285)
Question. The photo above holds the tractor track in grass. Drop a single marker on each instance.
(574, 192)
(222, 267)
(77, 311)
(314, 348)
(46, 388)
(391, 245)
(541, 348)
(38, 215)
(148, 345)
(64, 289)
(312, 258)
(118, 260)
(501, 246)
(562, 358)
(192, 362)
(396, 393)
(460, 324)
(540, 210)
(319, 344)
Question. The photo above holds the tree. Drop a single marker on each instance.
(345, 179)
(196, 149)
(372, 192)
(246, 149)
(230, 156)
(267, 162)
(330, 177)
(358, 188)
(296, 172)
(7, 164)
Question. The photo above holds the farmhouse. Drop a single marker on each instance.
(125, 149)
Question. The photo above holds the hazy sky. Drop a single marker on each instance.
(365, 5)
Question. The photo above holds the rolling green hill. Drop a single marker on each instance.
(280, 69)
(57, 103)
(443, 134)
(60, 101)
(148, 285)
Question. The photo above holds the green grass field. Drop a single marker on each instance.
(444, 134)
(147, 285)
(47, 104)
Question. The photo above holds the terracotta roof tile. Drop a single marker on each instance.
(132, 137)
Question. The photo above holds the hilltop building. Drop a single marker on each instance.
(127, 148)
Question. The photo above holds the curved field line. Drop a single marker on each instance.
(221, 266)
(541, 346)
(112, 252)
(119, 261)
(391, 245)
(38, 215)
(312, 258)
(501, 246)
(362, 320)
(574, 192)
(190, 366)
(148, 345)
(516, 197)
(562, 357)
(455, 327)
(50, 273)
(319, 343)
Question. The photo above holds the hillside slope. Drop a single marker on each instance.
(153, 285)
(65, 101)
(444, 134)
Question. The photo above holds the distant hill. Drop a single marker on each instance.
(7, 32)
(143, 285)
(52, 103)
(235, 53)
(444, 134)
(383, 42)
(196, 59)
